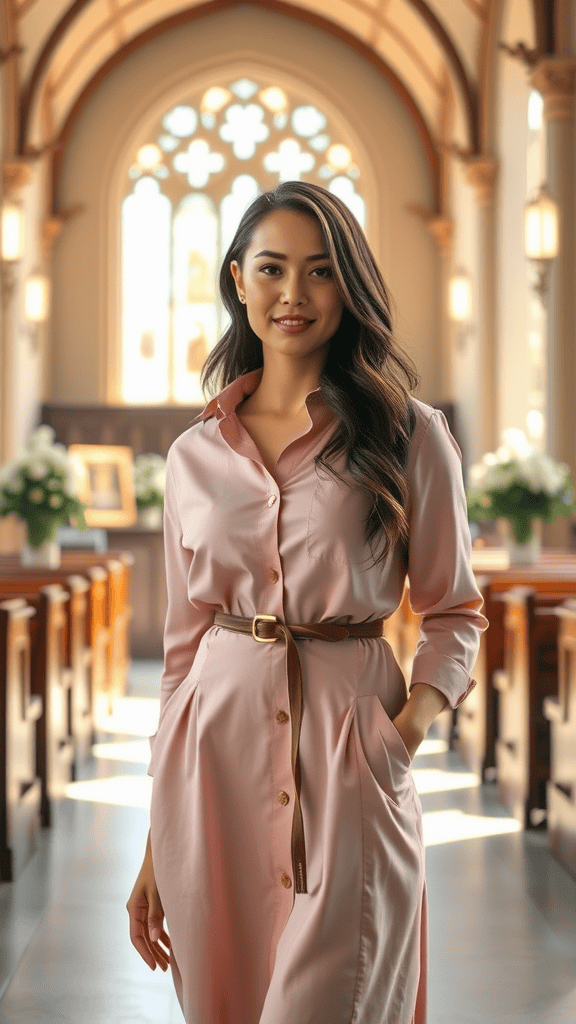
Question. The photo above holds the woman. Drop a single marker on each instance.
(285, 846)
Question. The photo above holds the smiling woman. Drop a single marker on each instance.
(286, 844)
(294, 295)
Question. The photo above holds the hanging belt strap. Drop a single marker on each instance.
(267, 629)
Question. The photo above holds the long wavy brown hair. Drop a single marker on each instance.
(362, 377)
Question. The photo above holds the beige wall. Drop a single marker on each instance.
(85, 322)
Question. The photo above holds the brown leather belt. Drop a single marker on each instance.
(272, 628)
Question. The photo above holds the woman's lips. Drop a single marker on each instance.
(290, 325)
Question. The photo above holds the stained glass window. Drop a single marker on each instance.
(188, 185)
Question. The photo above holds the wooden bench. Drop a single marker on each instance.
(52, 680)
(77, 655)
(20, 709)
(560, 711)
(529, 675)
(477, 717)
(113, 648)
(119, 608)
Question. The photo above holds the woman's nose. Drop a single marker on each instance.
(293, 293)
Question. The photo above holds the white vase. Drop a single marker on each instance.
(522, 554)
(152, 517)
(46, 556)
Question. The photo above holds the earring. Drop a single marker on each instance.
(242, 298)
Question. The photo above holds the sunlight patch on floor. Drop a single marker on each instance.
(435, 780)
(134, 751)
(135, 716)
(452, 825)
(448, 826)
(431, 746)
(122, 790)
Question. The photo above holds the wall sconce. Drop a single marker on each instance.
(461, 303)
(36, 302)
(12, 244)
(541, 237)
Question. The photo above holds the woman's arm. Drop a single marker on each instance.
(443, 587)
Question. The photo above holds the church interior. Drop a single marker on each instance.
(134, 135)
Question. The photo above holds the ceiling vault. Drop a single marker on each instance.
(458, 41)
(424, 131)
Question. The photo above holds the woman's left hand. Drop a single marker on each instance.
(410, 734)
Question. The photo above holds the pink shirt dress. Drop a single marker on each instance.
(246, 948)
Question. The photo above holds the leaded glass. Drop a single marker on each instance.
(181, 121)
(244, 128)
(308, 121)
(208, 158)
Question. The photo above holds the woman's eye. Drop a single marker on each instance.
(269, 267)
(323, 271)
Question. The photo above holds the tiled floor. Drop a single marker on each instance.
(502, 911)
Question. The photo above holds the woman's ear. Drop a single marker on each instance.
(237, 275)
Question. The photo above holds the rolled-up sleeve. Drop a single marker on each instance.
(186, 621)
(443, 588)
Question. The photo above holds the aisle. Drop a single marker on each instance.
(502, 912)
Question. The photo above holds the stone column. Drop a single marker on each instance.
(15, 175)
(482, 172)
(442, 229)
(555, 78)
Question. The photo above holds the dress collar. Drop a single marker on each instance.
(226, 402)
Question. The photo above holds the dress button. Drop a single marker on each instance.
(273, 575)
(281, 717)
(286, 880)
(283, 797)
(271, 499)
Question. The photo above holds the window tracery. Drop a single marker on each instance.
(186, 191)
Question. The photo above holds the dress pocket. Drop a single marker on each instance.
(182, 698)
(383, 749)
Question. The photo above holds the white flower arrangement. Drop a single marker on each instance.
(40, 486)
(149, 481)
(519, 483)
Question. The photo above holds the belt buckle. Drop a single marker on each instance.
(264, 639)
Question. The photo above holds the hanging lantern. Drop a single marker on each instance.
(541, 238)
(541, 226)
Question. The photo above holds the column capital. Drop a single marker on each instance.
(15, 175)
(442, 229)
(555, 78)
(439, 225)
(482, 172)
(51, 228)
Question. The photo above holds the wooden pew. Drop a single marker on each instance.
(119, 611)
(52, 680)
(116, 646)
(97, 639)
(20, 709)
(477, 716)
(560, 711)
(530, 674)
(475, 727)
(77, 655)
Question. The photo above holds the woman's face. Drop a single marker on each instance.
(291, 298)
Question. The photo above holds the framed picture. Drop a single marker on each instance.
(106, 483)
